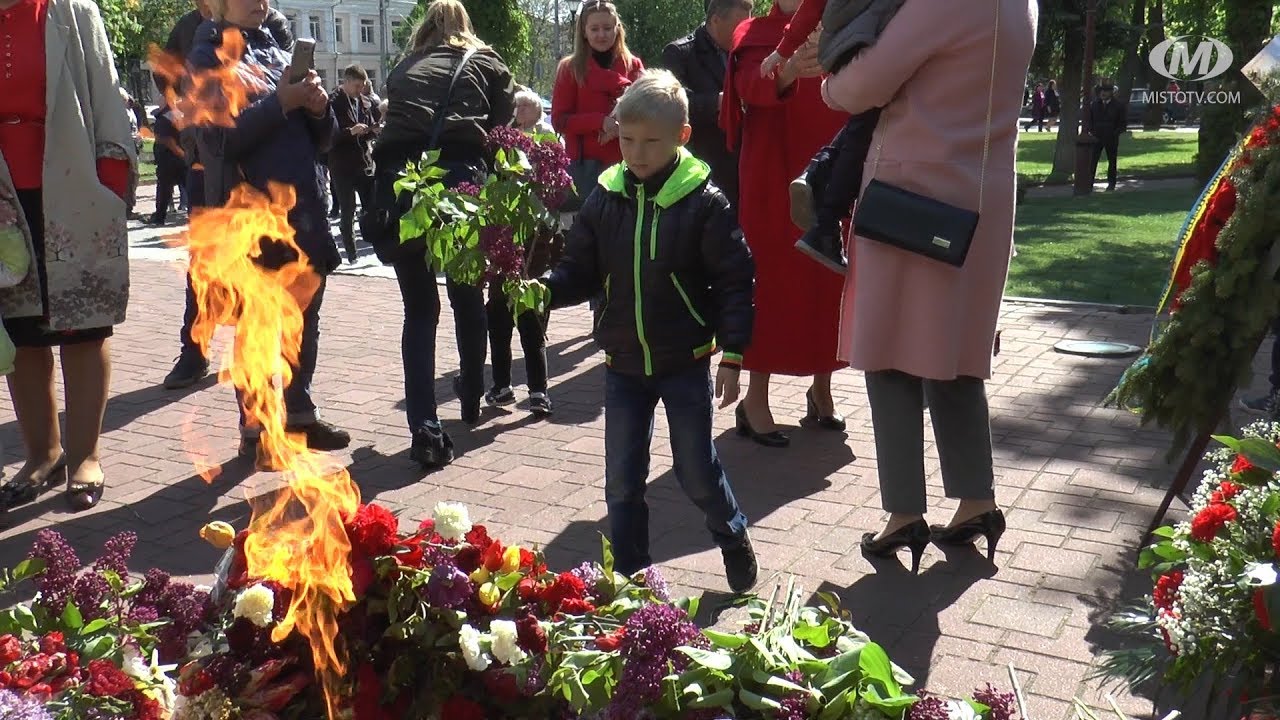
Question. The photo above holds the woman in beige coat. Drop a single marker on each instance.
(66, 154)
(949, 77)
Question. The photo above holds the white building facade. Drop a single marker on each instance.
(347, 32)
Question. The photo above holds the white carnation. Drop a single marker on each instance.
(257, 605)
(469, 640)
(452, 520)
(506, 645)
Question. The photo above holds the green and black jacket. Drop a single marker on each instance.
(676, 276)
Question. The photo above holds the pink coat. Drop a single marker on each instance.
(931, 70)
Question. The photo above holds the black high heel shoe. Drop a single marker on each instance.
(834, 421)
(914, 536)
(775, 439)
(990, 525)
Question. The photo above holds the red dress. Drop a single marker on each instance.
(797, 300)
(578, 109)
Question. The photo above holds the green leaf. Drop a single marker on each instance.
(689, 605)
(876, 667)
(27, 569)
(1262, 453)
(1146, 558)
(71, 617)
(720, 698)
(99, 647)
(24, 618)
(1164, 531)
(506, 581)
(818, 636)
(729, 641)
(838, 706)
(758, 702)
(708, 658)
(784, 685)
(606, 547)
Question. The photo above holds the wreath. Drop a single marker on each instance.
(1222, 295)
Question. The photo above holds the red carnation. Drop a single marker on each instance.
(501, 685)
(1260, 608)
(576, 606)
(527, 558)
(373, 530)
(1166, 590)
(1209, 522)
(567, 586)
(194, 680)
(460, 708)
(10, 649)
(362, 574)
(144, 708)
(52, 643)
(107, 680)
(530, 636)
(1275, 540)
(612, 641)
(1225, 492)
(1241, 465)
(478, 536)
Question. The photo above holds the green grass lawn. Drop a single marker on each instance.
(1107, 248)
(1142, 154)
(146, 164)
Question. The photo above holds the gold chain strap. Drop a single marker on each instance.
(986, 138)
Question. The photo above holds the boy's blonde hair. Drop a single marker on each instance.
(656, 97)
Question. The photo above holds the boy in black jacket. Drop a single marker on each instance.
(662, 245)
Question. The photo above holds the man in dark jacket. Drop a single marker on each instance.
(277, 138)
(171, 168)
(192, 366)
(699, 61)
(1106, 122)
(350, 159)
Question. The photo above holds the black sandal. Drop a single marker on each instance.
(20, 492)
(85, 495)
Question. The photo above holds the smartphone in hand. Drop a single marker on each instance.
(304, 59)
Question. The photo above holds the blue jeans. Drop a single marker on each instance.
(299, 408)
(629, 402)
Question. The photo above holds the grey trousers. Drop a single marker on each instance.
(961, 427)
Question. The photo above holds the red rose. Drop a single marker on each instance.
(1241, 465)
(491, 558)
(460, 708)
(52, 643)
(10, 649)
(362, 574)
(1166, 590)
(373, 530)
(528, 588)
(41, 691)
(412, 555)
(427, 527)
(527, 559)
(501, 685)
(1260, 608)
(576, 606)
(567, 586)
(107, 680)
(1209, 522)
(530, 636)
(144, 708)
(478, 537)
(612, 641)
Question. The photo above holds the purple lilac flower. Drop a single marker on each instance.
(154, 584)
(448, 587)
(589, 573)
(184, 605)
(551, 173)
(60, 567)
(20, 707)
(929, 707)
(795, 706)
(649, 654)
(143, 614)
(509, 138)
(505, 257)
(467, 188)
(657, 584)
(90, 593)
(116, 553)
(1003, 704)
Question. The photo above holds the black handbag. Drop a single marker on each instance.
(917, 223)
(380, 225)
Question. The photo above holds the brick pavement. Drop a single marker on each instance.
(1079, 483)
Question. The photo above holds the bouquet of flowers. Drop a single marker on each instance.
(95, 641)
(1215, 600)
(495, 231)
(454, 624)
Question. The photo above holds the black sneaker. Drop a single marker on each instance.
(500, 396)
(322, 436)
(432, 447)
(740, 565)
(822, 243)
(1268, 405)
(156, 220)
(539, 404)
(470, 407)
(189, 370)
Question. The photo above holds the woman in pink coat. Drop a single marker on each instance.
(950, 84)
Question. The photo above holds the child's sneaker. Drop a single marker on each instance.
(539, 404)
(740, 567)
(822, 242)
(802, 202)
(500, 396)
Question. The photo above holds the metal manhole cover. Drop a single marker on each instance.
(1097, 348)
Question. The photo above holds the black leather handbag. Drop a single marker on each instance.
(918, 223)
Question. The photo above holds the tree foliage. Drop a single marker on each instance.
(133, 26)
(651, 24)
(501, 23)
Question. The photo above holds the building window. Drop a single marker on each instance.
(324, 78)
(395, 27)
(292, 17)
(313, 25)
(337, 30)
(368, 32)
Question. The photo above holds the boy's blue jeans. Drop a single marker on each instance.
(629, 402)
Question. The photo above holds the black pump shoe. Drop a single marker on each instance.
(835, 421)
(990, 525)
(914, 536)
(776, 438)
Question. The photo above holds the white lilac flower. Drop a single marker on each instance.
(451, 520)
(506, 647)
(257, 605)
(469, 641)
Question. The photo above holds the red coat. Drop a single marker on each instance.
(578, 110)
(797, 300)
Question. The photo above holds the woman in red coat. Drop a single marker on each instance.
(783, 122)
(589, 82)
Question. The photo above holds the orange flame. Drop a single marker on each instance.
(214, 96)
(298, 539)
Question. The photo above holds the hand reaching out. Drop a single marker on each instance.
(771, 63)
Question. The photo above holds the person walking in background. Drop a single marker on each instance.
(171, 168)
(1106, 122)
(1052, 104)
(351, 158)
(68, 154)
(697, 261)
(782, 122)
(428, 110)
(918, 328)
(588, 84)
(699, 61)
(1038, 109)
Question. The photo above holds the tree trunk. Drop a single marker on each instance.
(1155, 35)
(1131, 68)
(1069, 91)
(1248, 24)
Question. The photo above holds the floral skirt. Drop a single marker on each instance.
(34, 331)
